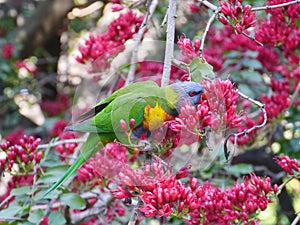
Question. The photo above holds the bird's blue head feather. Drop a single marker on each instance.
(188, 90)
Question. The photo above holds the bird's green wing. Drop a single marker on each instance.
(135, 87)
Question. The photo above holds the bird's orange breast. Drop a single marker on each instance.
(154, 117)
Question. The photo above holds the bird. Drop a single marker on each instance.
(147, 104)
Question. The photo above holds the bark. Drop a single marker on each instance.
(43, 25)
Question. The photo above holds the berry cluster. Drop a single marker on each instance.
(287, 164)
(25, 154)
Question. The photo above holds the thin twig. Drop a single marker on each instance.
(181, 64)
(295, 95)
(169, 43)
(12, 218)
(286, 181)
(137, 41)
(133, 217)
(164, 22)
(296, 220)
(252, 38)
(7, 199)
(211, 19)
(274, 6)
(262, 108)
(75, 140)
(208, 5)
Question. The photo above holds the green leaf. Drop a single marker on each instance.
(75, 201)
(36, 216)
(199, 70)
(53, 174)
(251, 54)
(11, 211)
(56, 218)
(233, 54)
(196, 74)
(252, 63)
(240, 169)
(25, 190)
(251, 76)
(297, 22)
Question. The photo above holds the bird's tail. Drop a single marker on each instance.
(91, 146)
(72, 169)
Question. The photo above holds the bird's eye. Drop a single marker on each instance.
(192, 93)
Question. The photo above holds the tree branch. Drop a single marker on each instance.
(211, 19)
(275, 6)
(208, 5)
(49, 145)
(169, 43)
(137, 41)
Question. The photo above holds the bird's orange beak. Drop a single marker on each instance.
(202, 98)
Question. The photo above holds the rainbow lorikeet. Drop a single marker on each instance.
(144, 102)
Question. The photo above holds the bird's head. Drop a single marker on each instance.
(187, 90)
(194, 91)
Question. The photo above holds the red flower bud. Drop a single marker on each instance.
(223, 20)
(38, 157)
(131, 123)
(123, 125)
(24, 158)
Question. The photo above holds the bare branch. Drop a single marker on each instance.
(287, 181)
(181, 64)
(295, 95)
(262, 108)
(211, 19)
(208, 5)
(133, 217)
(252, 38)
(296, 220)
(169, 43)
(137, 41)
(275, 6)
(49, 145)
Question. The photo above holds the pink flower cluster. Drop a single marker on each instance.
(107, 164)
(287, 164)
(189, 50)
(216, 111)
(222, 99)
(205, 204)
(281, 30)
(279, 101)
(188, 127)
(101, 48)
(25, 153)
(57, 106)
(7, 50)
(58, 131)
(238, 203)
(239, 17)
(26, 64)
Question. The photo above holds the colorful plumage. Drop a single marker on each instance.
(145, 102)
